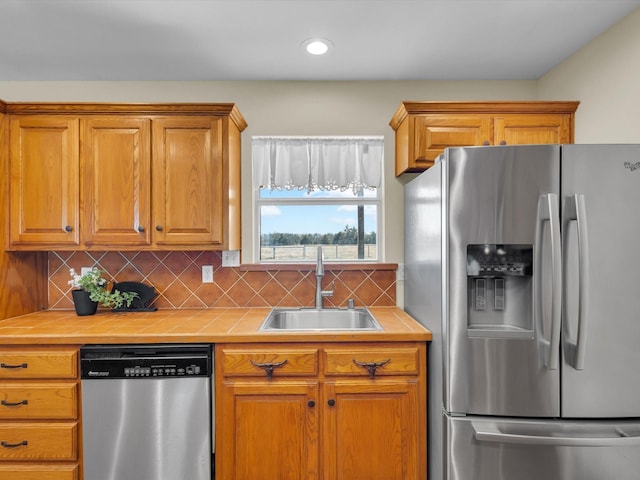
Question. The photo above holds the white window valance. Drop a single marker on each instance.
(324, 163)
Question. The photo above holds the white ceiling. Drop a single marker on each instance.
(260, 39)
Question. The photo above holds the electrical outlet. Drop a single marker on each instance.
(207, 274)
(231, 258)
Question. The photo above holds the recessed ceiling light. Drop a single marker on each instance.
(317, 46)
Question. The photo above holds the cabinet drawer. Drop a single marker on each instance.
(237, 361)
(38, 441)
(39, 363)
(39, 472)
(385, 360)
(47, 401)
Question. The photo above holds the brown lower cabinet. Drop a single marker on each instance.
(321, 411)
(317, 411)
(39, 421)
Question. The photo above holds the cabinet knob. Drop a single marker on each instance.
(331, 402)
(140, 229)
(68, 228)
(311, 403)
(159, 228)
(503, 142)
(485, 143)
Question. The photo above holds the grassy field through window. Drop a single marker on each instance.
(309, 252)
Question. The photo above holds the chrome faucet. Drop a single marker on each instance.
(320, 294)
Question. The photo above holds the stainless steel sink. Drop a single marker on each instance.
(284, 319)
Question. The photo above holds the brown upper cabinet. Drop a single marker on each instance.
(425, 129)
(125, 176)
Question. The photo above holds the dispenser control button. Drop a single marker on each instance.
(498, 294)
(481, 294)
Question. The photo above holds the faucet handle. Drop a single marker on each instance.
(319, 262)
(328, 293)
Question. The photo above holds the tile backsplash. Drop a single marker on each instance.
(177, 278)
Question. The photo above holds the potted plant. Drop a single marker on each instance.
(93, 287)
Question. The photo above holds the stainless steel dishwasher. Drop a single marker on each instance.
(147, 412)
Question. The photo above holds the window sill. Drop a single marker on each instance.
(260, 267)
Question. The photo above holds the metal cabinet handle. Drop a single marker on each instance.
(4, 403)
(268, 367)
(159, 228)
(331, 402)
(491, 433)
(371, 366)
(140, 229)
(311, 403)
(548, 212)
(23, 443)
(4, 365)
(68, 228)
(575, 211)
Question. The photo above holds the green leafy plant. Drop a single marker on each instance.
(98, 288)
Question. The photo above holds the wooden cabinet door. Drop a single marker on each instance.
(188, 181)
(269, 431)
(116, 161)
(434, 133)
(532, 129)
(372, 430)
(44, 181)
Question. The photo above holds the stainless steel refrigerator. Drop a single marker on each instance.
(524, 261)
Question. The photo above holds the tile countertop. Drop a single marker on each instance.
(214, 325)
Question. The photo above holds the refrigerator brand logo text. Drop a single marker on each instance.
(632, 166)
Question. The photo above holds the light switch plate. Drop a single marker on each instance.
(231, 258)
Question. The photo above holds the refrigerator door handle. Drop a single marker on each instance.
(575, 212)
(491, 433)
(548, 212)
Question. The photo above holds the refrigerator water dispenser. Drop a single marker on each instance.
(500, 290)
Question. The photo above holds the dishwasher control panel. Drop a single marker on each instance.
(105, 362)
(165, 369)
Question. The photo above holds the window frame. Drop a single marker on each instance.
(378, 201)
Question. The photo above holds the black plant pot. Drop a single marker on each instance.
(84, 305)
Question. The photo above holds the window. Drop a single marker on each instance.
(312, 191)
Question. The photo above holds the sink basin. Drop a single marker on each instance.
(289, 319)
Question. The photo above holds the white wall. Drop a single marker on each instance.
(605, 77)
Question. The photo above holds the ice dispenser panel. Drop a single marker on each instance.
(500, 290)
